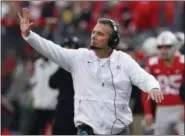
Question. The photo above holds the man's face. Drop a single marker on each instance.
(100, 35)
(165, 51)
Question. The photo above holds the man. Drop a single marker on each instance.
(44, 97)
(62, 80)
(102, 77)
(168, 69)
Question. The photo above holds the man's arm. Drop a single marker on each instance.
(144, 80)
(63, 57)
(147, 107)
(57, 54)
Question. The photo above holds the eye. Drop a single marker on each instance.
(100, 33)
(92, 32)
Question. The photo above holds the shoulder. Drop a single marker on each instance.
(122, 55)
(82, 51)
(126, 60)
(153, 61)
(181, 59)
(85, 53)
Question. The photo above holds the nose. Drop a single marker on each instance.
(163, 49)
(93, 36)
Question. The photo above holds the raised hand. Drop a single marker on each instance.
(25, 24)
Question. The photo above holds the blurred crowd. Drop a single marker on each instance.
(140, 23)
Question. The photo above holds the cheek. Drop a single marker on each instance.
(104, 40)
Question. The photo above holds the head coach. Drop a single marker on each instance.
(102, 77)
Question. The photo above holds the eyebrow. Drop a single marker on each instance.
(99, 32)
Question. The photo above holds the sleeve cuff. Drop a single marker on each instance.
(152, 86)
(28, 37)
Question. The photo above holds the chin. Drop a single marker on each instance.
(94, 44)
(165, 57)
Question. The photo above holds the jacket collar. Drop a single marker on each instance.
(93, 56)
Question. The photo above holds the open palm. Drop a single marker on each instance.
(25, 24)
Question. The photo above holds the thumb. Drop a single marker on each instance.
(31, 25)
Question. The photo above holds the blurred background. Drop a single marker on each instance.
(55, 20)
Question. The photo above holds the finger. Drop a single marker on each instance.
(161, 97)
(156, 95)
(20, 17)
(148, 98)
(31, 24)
(27, 16)
(24, 12)
(152, 95)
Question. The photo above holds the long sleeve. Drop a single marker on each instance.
(63, 57)
(139, 77)
(146, 104)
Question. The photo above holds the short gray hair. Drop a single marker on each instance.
(107, 21)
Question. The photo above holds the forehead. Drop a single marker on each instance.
(164, 46)
(104, 28)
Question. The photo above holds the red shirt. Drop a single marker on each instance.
(170, 79)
